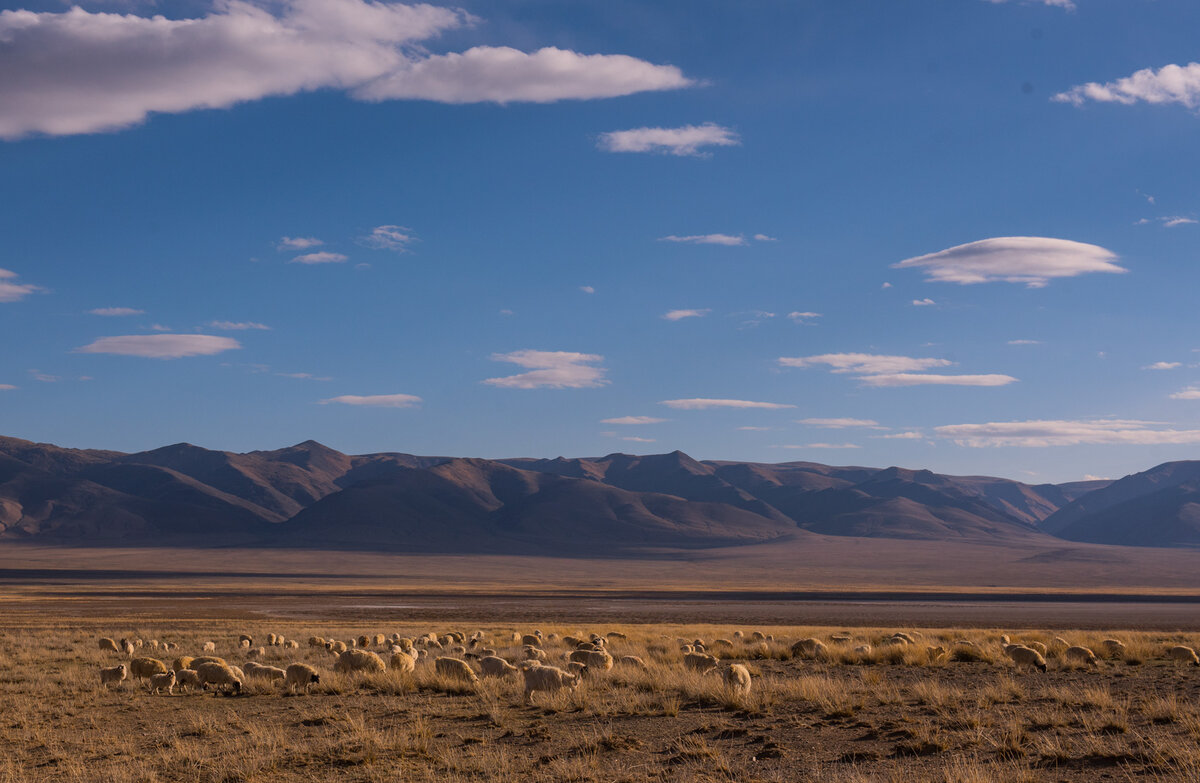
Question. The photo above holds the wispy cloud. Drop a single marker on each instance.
(1068, 5)
(307, 376)
(755, 429)
(1024, 342)
(587, 289)
(802, 317)
(864, 363)
(930, 379)
(688, 140)
(161, 346)
(321, 257)
(679, 315)
(703, 403)
(7, 387)
(838, 424)
(911, 435)
(1169, 221)
(42, 377)
(636, 439)
(298, 243)
(11, 291)
(1044, 433)
(1033, 261)
(764, 238)
(115, 311)
(1163, 366)
(238, 326)
(396, 238)
(707, 239)
(375, 400)
(819, 446)
(82, 72)
(551, 370)
(1169, 84)
(633, 420)
(1190, 393)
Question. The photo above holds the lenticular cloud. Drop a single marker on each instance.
(1030, 260)
(82, 72)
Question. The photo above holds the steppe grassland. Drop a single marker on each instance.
(890, 714)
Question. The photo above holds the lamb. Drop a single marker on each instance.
(113, 674)
(737, 678)
(455, 668)
(495, 666)
(1025, 656)
(1183, 654)
(160, 681)
(108, 645)
(632, 660)
(402, 662)
(550, 679)
(1114, 647)
(187, 678)
(810, 648)
(701, 662)
(209, 647)
(358, 661)
(145, 667)
(593, 660)
(301, 674)
(220, 675)
(1081, 655)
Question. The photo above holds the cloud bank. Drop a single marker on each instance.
(880, 370)
(1041, 434)
(551, 370)
(161, 346)
(1033, 261)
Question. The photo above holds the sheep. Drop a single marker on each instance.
(209, 647)
(592, 659)
(336, 647)
(906, 637)
(402, 662)
(182, 662)
(270, 640)
(301, 674)
(245, 644)
(534, 654)
(1041, 648)
(218, 674)
(113, 674)
(246, 640)
(686, 649)
(145, 667)
(738, 634)
(737, 678)
(1113, 647)
(550, 679)
(571, 641)
(1025, 656)
(1058, 641)
(363, 641)
(316, 641)
(455, 668)
(616, 635)
(160, 681)
(358, 661)
(723, 643)
(257, 652)
(187, 678)
(1183, 654)
(758, 636)
(701, 662)
(380, 640)
(632, 660)
(266, 672)
(863, 649)
(292, 644)
(170, 646)
(1080, 655)
(458, 650)
(128, 648)
(935, 653)
(195, 662)
(840, 637)
(810, 648)
(108, 645)
(495, 666)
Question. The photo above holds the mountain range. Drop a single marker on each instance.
(312, 496)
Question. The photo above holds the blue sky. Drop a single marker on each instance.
(486, 229)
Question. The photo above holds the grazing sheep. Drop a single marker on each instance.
(108, 645)
(738, 634)
(1041, 648)
(145, 667)
(810, 648)
(616, 635)
(266, 672)
(380, 640)
(906, 637)
(572, 641)
(187, 678)
(316, 641)
(632, 660)
(1025, 656)
(257, 652)
(246, 640)
(245, 644)
(152, 644)
(358, 661)
(301, 674)
(1183, 654)
(687, 648)
(534, 654)
(128, 648)
(593, 659)
(270, 640)
(577, 668)
(336, 647)
(758, 636)
(935, 653)
(455, 668)
(550, 679)
(1058, 641)
(182, 662)
(863, 649)
(1113, 647)
(737, 678)
(195, 662)
(113, 674)
(840, 638)
(209, 647)
(723, 643)
(964, 643)
(1081, 655)
(158, 682)
(292, 644)
(701, 662)
(363, 641)
(402, 662)
(495, 666)
(219, 675)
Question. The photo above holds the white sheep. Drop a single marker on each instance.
(270, 640)
(358, 661)
(594, 660)
(455, 668)
(495, 666)
(146, 667)
(193, 663)
(701, 662)
(1183, 654)
(576, 668)
(266, 672)
(113, 674)
(159, 682)
(316, 641)
(534, 654)
(220, 675)
(257, 652)
(209, 647)
(108, 645)
(810, 648)
(1114, 647)
(737, 678)
(187, 678)
(152, 644)
(863, 649)
(128, 648)
(336, 646)
(1025, 656)
(632, 660)
(301, 674)
(402, 662)
(1078, 654)
(292, 644)
(550, 679)
(246, 640)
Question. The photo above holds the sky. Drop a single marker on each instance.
(948, 234)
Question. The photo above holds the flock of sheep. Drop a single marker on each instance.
(455, 655)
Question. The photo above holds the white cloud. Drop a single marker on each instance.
(38, 375)
(1068, 5)
(764, 238)
(82, 72)
(900, 436)
(236, 326)
(707, 239)
(687, 140)
(161, 346)
(587, 289)
(886, 285)
(837, 424)
(800, 317)
(376, 400)
(396, 238)
(678, 315)
(115, 311)
(159, 328)
(321, 257)
(1171, 222)
(307, 376)
(298, 243)
(633, 420)
(1039, 433)
(1190, 393)
(925, 379)
(864, 363)
(10, 291)
(1169, 84)
(1030, 260)
(506, 312)
(1163, 366)
(756, 429)
(636, 439)
(820, 446)
(6, 387)
(926, 302)
(551, 370)
(703, 403)
(1024, 342)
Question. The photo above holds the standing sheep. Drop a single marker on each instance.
(455, 668)
(701, 662)
(550, 679)
(301, 674)
(1114, 647)
(158, 682)
(108, 645)
(737, 679)
(402, 662)
(146, 667)
(220, 675)
(1025, 656)
(114, 674)
(1183, 654)
(495, 666)
(266, 672)
(359, 661)
(209, 647)
(632, 660)
(187, 678)
(1081, 655)
(594, 660)
(812, 648)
